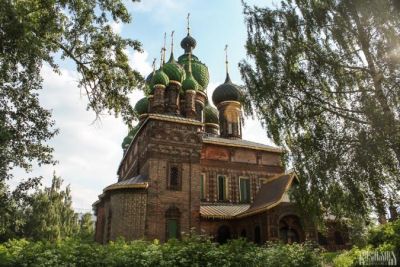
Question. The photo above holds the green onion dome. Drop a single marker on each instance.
(160, 78)
(174, 70)
(142, 106)
(188, 43)
(210, 114)
(128, 139)
(199, 70)
(148, 88)
(227, 91)
(190, 83)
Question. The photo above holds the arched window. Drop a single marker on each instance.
(174, 176)
(174, 179)
(172, 223)
(257, 235)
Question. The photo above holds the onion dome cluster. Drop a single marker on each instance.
(227, 91)
(178, 71)
(199, 70)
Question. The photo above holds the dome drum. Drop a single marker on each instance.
(158, 99)
(212, 129)
(201, 96)
(172, 98)
(230, 115)
(190, 104)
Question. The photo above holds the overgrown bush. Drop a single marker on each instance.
(194, 251)
(384, 237)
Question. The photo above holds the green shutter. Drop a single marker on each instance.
(172, 228)
(244, 190)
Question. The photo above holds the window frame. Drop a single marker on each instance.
(225, 198)
(240, 190)
(203, 186)
(177, 187)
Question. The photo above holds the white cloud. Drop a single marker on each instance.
(88, 153)
(140, 62)
(162, 11)
(164, 5)
(116, 26)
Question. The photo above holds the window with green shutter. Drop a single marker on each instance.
(222, 194)
(203, 186)
(244, 186)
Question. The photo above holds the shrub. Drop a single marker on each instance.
(191, 251)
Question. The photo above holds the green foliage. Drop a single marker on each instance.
(323, 78)
(380, 238)
(12, 208)
(194, 251)
(386, 236)
(37, 32)
(349, 258)
(45, 214)
(86, 227)
(50, 214)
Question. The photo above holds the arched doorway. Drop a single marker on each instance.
(224, 233)
(172, 223)
(290, 230)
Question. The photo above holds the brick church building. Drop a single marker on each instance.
(185, 166)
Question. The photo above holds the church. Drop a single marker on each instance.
(185, 167)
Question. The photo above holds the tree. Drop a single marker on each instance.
(86, 227)
(13, 205)
(50, 215)
(37, 32)
(323, 77)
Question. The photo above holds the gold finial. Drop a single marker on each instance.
(226, 58)
(172, 42)
(164, 49)
(188, 23)
(154, 65)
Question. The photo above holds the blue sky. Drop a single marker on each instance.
(89, 152)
